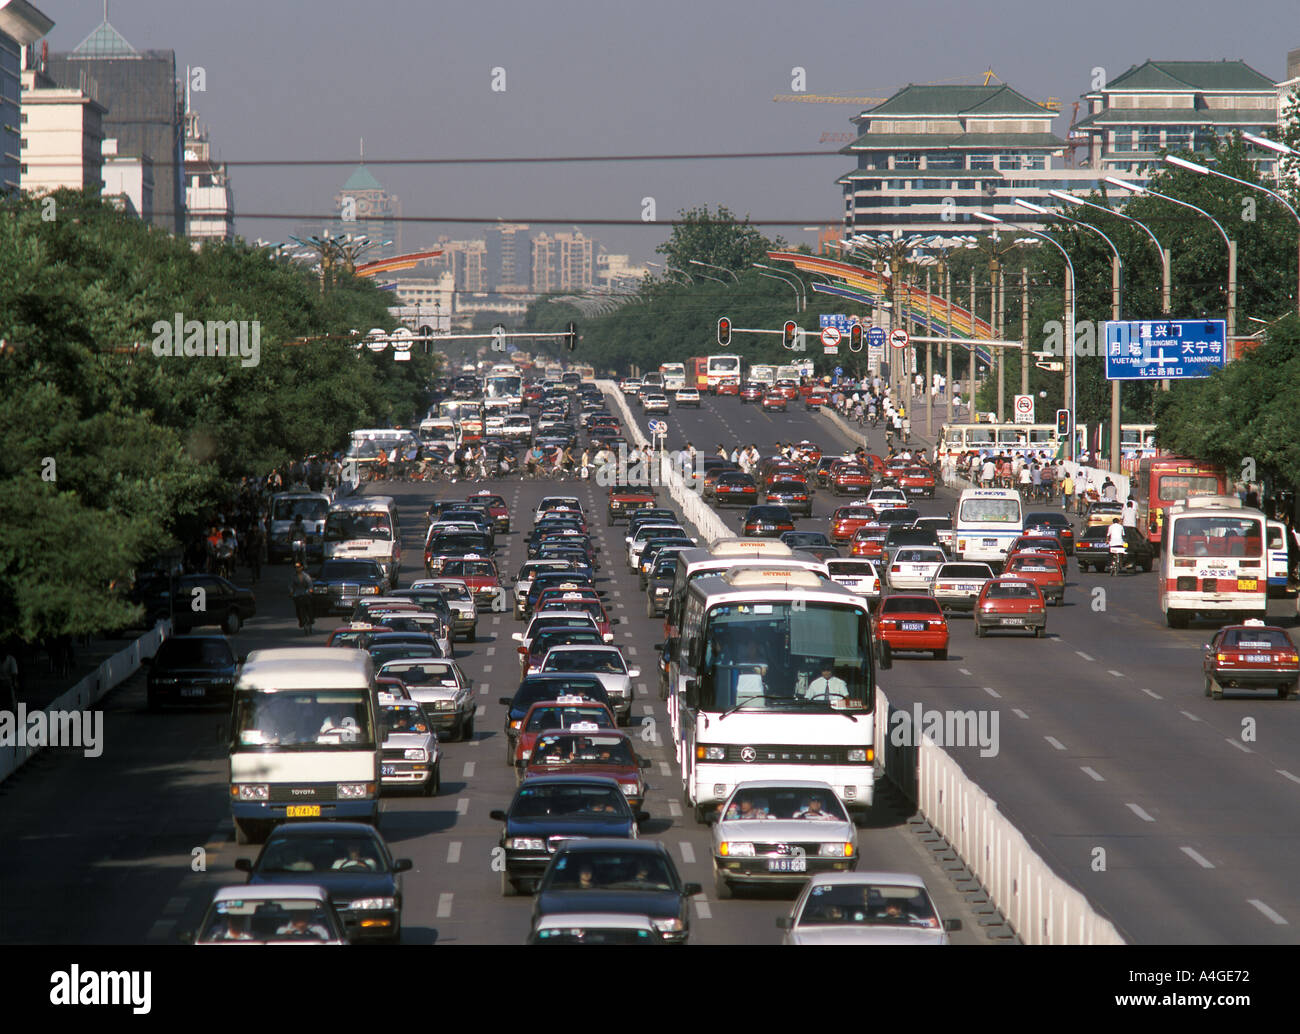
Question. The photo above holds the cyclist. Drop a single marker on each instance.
(300, 590)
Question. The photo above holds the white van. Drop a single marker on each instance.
(285, 506)
(304, 740)
(365, 528)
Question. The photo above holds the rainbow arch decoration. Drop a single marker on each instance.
(389, 265)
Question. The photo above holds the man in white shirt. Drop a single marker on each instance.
(986, 473)
(1129, 518)
(827, 685)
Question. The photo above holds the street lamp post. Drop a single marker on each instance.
(1183, 163)
(800, 302)
(710, 265)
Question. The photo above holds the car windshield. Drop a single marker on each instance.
(1010, 591)
(990, 511)
(399, 651)
(1218, 536)
(605, 662)
(402, 718)
(545, 641)
(309, 509)
(591, 607)
(184, 652)
(544, 719)
(341, 527)
(303, 719)
(350, 570)
(421, 674)
(579, 748)
(910, 605)
(534, 690)
(860, 904)
(610, 870)
(1257, 639)
(783, 802)
(470, 568)
(321, 854)
(570, 801)
(282, 919)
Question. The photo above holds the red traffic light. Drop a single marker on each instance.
(855, 337)
(791, 329)
(724, 331)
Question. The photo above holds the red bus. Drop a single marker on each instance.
(697, 373)
(1161, 481)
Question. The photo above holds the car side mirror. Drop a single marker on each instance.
(692, 693)
(952, 925)
(505, 701)
(784, 923)
(642, 817)
(498, 814)
(615, 621)
(518, 637)
(886, 657)
(691, 889)
(643, 762)
(403, 865)
(244, 864)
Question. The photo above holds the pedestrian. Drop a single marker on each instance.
(1067, 490)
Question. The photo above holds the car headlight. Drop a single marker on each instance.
(668, 925)
(839, 849)
(525, 754)
(320, 588)
(370, 590)
(732, 848)
(515, 725)
(355, 791)
(252, 791)
(857, 754)
(369, 904)
(525, 844)
(703, 753)
(629, 789)
(416, 754)
(443, 705)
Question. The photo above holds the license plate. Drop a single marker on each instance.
(1247, 584)
(193, 691)
(1258, 658)
(913, 626)
(302, 811)
(787, 865)
(389, 770)
(990, 542)
(1013, 621)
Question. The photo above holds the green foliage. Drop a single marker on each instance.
(717, 238)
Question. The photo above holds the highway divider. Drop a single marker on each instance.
(108, 676)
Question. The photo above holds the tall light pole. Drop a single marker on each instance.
(1116, 310)
(710, 265)
(1069, 319)
(670, 269)
(1183, 163)
(801, 302)
(1161, 250)
(995, 252)
(789, 283)
(1232, 246)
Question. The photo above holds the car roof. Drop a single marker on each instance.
(614, 844)
(309, 829)
(779, 783)
(904, 879)
(571, 779)
(270, 892)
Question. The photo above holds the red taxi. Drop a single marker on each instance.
(780, 470)
(751, 393)
(807, 453)
(577, 599)
(1252, 655)
(1042, 570)
(773, 402)
(869, 541)
(496, 509)
(729, 386)
(558, 715)
(356, 635)
(850, 479)
(1049, 544)
(1010, 603)
(913, 623)
(788, 390)
(481, 577)
(846, 521)
(817, 398)
(917, 480)
(587, 749)
(623, 501)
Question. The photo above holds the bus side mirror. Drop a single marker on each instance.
(692, 693)
(886, 657)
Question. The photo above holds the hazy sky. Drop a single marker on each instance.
(305, 80)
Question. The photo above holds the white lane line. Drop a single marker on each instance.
(496, 619)
(1139, 813)
(453, 852)
(175, 906)
(674, 809)
(1188, 714)
(487, 668)
(483, 689)
(444, 906)
(1197, 857)
(489, 651)
(1117, 674)
(1084, 655)
(688, 853)
(1153, 695)
(480, 711)
(462, 806)
(631, 651)
(1019, 713)
(1093, 774)
(159, 930)
(1268, 912)
(1057, 744)
(1284, 772)
(1240, 746)
(663, 768)
(702, 909)
(964, 671)
(992, 692)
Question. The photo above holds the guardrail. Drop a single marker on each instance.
(108, 676)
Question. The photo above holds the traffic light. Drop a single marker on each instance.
(791, 329)
(1062, 423)
(724, 331)
(855, 337)
(571, 336)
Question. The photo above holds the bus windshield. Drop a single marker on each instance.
(504, 387)
(990, 511)
(341, 527)
(786, 655)
(326, 719)
(1175, 488)
(1218, 536)
(311, 509)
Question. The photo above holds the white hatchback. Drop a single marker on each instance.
(914, 567)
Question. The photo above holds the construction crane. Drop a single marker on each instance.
(813, 98)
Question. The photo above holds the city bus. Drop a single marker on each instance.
(503, 389)
(721, 367)
(752, 642)
(697, 373)
(1162, 481)
(1013, 439)
(987, 521)
(303, 742)
(762, 374)
(1213, 561)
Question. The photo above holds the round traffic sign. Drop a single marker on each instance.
(830, 336)
(658, 427)
(898, 338)
(1024, 403)
(876, 337)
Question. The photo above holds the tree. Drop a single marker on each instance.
(720, 239)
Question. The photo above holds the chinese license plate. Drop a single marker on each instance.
(192, 691)
(302, 811)
(990, 542)
(1013, 621)
(787, 865)
(388, 770)
(1258, 658)
(1247, 584)
(913, 626)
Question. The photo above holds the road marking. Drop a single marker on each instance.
(1055, 742)
(444, 906)
(992, 692)
(1139, 813)
(1240, 746)
(1197, 857)
(483, 689)
(1117, 674)
(674, 809)
(489, 651)
(631, 651)
(487, 668)
(462, 806)
(1019, 713)
(480, 711)
(702, 907)
(964, 671)
(453, 852)
(1188, 714)
(1084, 655)
(1153, 696)
(1092, 774)
(1268, 912)
(663, 768)
(688, 853)
(496, 619)
(175, 906)
(1284, 772)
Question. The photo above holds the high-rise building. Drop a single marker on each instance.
(466, 261)
(509, 258)
(145, 109)
(128, 181)
(209, 203)
(366, 209)
(563, 262)
(62, 138)
(546, 271)
(21, 25)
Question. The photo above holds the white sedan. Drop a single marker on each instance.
(914, 567)
(606, 663)
(865, 908)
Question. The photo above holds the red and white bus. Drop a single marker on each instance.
(1162, 481)
(697, 373)
(721, 367)
(1212, 561)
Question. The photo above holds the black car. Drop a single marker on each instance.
(632, 877)
(659, 585)
(400, 646)
(652, 550)
(1091, 549)
(207, 599)
(547, 811)
(1051, 523)
(902, 535)
(804, 539)
(339, 584)
(350, 860)
(547, 687)
(194, 670)
(823, 553)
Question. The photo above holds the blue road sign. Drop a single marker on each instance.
(1152, 350)
(876, 337)
(839, 371)
(839, 321)
(658, 427)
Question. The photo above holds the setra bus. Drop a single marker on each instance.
(1213, 561)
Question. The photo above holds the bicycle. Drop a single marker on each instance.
(306, 619)
(1120, 563)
